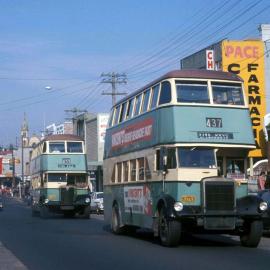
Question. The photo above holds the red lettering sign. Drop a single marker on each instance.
(140, 131)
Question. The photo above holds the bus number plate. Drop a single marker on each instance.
(214, 122)
(188, 198)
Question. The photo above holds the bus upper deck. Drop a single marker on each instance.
(187, 108)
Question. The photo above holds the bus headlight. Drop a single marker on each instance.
(263, 206)
(87, 200)
(46, 201)
(178, 206)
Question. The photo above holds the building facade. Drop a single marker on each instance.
(92, 127)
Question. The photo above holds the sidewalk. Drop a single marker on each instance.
(8, 260)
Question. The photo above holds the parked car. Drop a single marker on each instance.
(97, 202)
(265, 195)
(1, 203)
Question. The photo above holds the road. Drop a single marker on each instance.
(28, 242)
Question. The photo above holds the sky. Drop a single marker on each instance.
(65, 46)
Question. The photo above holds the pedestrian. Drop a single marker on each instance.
(261, 181)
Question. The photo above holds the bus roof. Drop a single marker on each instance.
(63, 137)
(189, 74)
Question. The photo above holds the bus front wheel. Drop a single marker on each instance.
(115, 222)
(169, 230)
(252, 233)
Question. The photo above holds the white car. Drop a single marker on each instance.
(97, 202)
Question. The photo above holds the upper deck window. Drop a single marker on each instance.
(227, 94)
(196, 157)
(123, 112)
(111, 118)
(74, 147)
(154, 96)
(130, 108)
(145, 101)
(116, 115)
(138, 104)
(56, 147)
(44, 147)
(192, 92)
(165, 93)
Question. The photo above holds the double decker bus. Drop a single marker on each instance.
(59, 177)
(176, 156)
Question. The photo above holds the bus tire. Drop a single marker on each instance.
(44, 212)
(169, 230)
(115, 221)
(252, 234)
(86, 212)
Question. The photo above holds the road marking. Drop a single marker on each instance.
(8, 261)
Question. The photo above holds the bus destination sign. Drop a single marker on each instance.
(215, 135)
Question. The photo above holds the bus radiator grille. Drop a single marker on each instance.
(67, 196)
(219, 196)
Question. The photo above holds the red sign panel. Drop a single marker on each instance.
(210, 63)
(140, 131)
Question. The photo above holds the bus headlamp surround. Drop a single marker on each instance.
(178, 206)
(263, 206)
(87, 200)
(46, 201)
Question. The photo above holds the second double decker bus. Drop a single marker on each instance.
(59, 177)
(176, 156)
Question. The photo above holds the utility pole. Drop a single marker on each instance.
(114, 78)
(75, 112)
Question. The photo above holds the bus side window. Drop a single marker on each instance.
(133, 166)
(138, 104)
(111, 117)
(154, 96)
(165, 93)
(116, 115)
(113, 174)
(130, 108)
(147, 170)
(123, 112)
(171, 158)
(141, 168)
(125, 171)
(119, 172)
(146, 96)
(158, 165)
(44, 150)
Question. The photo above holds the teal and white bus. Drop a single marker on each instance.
(59, 177)
(176, 156)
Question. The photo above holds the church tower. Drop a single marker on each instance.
(25, 132)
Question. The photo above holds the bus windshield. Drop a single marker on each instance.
(196, 158)
(192, 92)
(227, 94)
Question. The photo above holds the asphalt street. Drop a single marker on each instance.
(28, 242)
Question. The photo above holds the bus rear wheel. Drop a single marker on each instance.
(115, 221)
(169, 230)
(252, 233)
